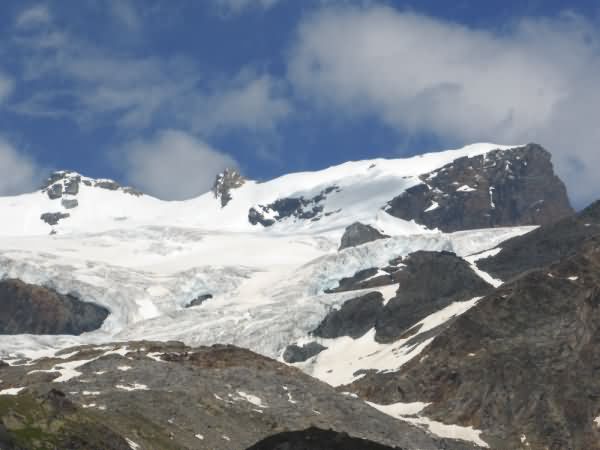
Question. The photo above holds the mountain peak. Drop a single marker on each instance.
(226, 181)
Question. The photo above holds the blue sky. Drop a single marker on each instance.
(164, 94)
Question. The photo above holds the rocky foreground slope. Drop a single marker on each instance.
(168, 396)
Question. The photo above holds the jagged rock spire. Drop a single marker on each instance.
(226, 181)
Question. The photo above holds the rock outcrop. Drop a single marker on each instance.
(544, 245)
(295, 353)
(521, 365)
(291, 207)
(500, 188)
(225, 182)
(358, 233)
(169, 396)
(428, 282)
(31, 309)
(54, 218)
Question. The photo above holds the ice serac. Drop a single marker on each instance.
(27, 308)
(225, 182)
(499, 188)
(521, 365)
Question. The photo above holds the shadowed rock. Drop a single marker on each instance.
(53, 218)
(294, 353)
(500, 188)
(358, 233)
(31, 309)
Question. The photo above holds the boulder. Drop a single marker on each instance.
(358, 233)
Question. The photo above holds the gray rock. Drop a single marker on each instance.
(294, 353)
(225, 182)
(358, 233)
(522, 362)
(72, 185)
(503, 188)
(354, 318)
(69, 203)
(107, 184)
(296, 207)
(544, 245)
(232, 398)
(53, 218)
(32, 309)
(199, 300)
(132, 191)
(55, 191)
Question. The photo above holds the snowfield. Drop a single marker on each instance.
(145, 259)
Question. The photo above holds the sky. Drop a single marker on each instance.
(164, 94)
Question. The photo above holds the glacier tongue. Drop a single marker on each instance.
(267, 288)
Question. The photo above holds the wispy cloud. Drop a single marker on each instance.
(239, 6)
(18, 172)
(34, 16)
(6, 86)
(93, 86)
(172, 164)
(536, 80)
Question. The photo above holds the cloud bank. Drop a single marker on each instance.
(173, 165)
(536, 80)
(18, 172)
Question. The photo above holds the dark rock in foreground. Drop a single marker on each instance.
(316, 439)
(31, 309)
(500, 188)
(294, 353)
(170, 396)
(358, 233)
(522, 365)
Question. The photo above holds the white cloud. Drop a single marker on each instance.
(34, 16)
(537, 80)
(238, 6)
(173, 165)
(95, 86)
(249, 101)
(18, 172)
(6, 87)
(125, 13)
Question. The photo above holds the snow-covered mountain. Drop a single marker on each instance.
(259, 264)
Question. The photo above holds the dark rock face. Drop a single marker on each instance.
(363, 279)
(225, 182)
(53, 218)
(69, 203)
(107, 184)
(299, 208)
(199, 300)
(316, 439)
(218, 398)
(501, 188)
(522, 362)
(55, 191)
(544, 245)
(72, 185)
(27, 308)
(294, 353)
(354, 318)
(429, 282)
(358, 233)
